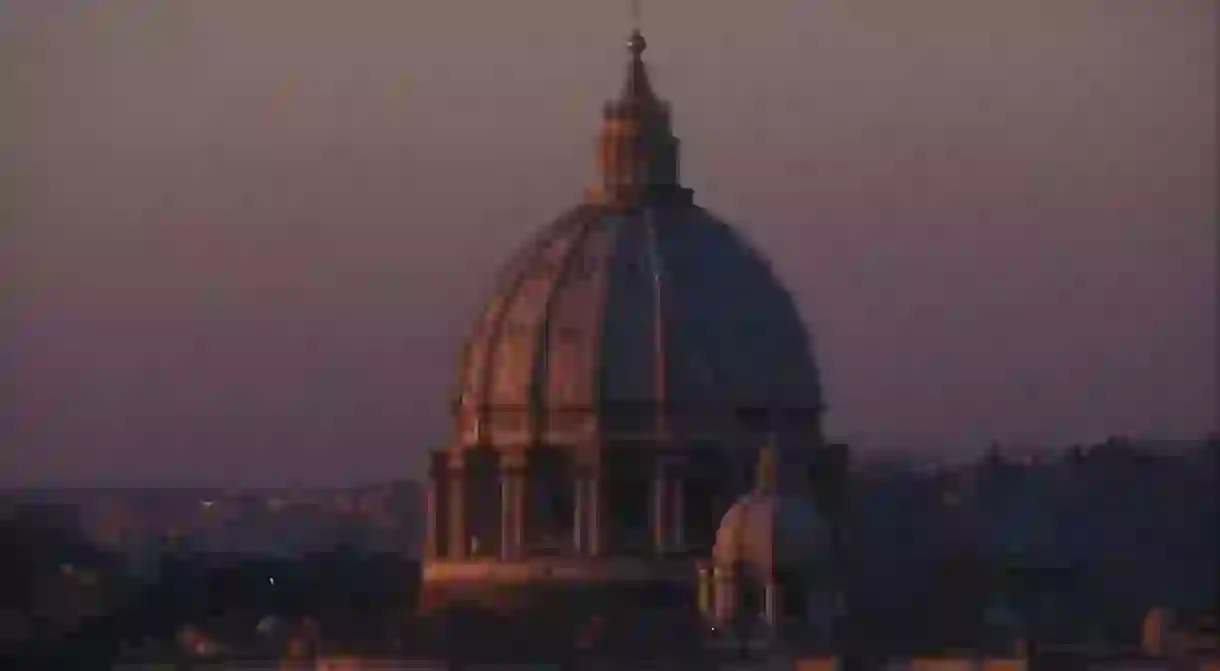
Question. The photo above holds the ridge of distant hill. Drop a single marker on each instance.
(383, 515)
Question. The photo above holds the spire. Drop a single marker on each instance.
(637, 151)
(637, 90)
(636, 87)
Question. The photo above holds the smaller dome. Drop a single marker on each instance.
(771, 529)
(766, 532)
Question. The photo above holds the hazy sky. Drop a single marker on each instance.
(241, 240)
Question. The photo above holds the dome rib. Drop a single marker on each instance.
(540, 377)
(637, 315)
(658, 317)
(485, 328)
(635, 325)
(513, 277)
(496, 332)
(597, 396)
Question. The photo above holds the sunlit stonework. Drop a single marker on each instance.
(613, 393)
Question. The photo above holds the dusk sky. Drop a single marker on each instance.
(241, 240)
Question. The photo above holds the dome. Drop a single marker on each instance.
(768, 532)
(635, 314)
(774, 527)
(612, 322)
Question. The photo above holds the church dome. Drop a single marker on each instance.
(769, 532)
(634, 313)
(772, 529)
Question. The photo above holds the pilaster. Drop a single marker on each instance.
(707, 593)
(459, 543)
(595, 499)
(678, 498)
(770, 603)
(660, 514)
(512, 504)
(724, 590)
(580, 513)
(431, 510)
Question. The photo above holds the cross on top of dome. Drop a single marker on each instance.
(636, 44)
(637, 95)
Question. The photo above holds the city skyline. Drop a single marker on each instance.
(249, 242)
